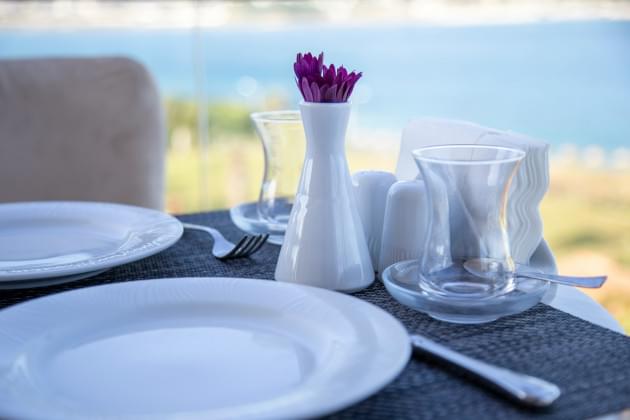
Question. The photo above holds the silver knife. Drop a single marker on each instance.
(525, 389)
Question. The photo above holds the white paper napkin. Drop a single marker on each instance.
(528, 187)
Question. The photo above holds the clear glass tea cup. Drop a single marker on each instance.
(467, 194)
(283, 141)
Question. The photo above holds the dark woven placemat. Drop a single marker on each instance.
(589, 363)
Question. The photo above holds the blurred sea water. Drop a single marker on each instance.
(568, 83)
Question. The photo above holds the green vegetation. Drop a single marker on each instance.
(587, 223)
(231, 119)
(589, 210)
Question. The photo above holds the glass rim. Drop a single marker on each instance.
(277, 116)
(517, 154)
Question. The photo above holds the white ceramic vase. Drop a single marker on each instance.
(324, 244)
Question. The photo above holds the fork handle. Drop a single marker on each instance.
(215, 233)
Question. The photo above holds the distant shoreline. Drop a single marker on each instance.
(188, 14)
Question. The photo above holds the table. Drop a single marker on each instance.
(575, 302)
(591, 364)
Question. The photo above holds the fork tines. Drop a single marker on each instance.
(246, 246)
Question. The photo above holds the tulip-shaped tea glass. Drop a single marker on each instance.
(467, 193)
(282, 137)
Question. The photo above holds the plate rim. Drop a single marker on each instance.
(295, 410)
(108, 260)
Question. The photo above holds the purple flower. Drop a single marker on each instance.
(320, 83)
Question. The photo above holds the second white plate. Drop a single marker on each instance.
(51, 239)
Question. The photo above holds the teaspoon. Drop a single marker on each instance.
(492, 269)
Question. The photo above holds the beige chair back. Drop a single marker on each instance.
(80, 129)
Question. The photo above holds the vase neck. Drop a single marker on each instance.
(325, 126)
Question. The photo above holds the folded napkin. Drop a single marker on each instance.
(527, 190)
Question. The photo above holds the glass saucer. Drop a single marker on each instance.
(401, 281)
(246, 217)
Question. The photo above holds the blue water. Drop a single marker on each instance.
(565, 82)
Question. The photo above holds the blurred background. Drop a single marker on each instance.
(557, 70)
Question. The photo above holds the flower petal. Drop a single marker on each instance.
(341, 91)
(355, 78)
(342, 74)
(306, 90)
(329, 76)
(331, 94)
(317, 97)
(322, 92)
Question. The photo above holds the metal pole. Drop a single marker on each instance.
(202, 107)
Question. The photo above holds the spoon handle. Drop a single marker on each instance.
(590, 282)
(524, 389)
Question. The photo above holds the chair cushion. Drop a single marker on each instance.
(80, 129)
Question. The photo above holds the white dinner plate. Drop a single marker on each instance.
(49, 281)
(51, 239)
(195, 348)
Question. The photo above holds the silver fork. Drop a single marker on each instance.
(223, 249)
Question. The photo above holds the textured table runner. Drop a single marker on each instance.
(591, 364)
